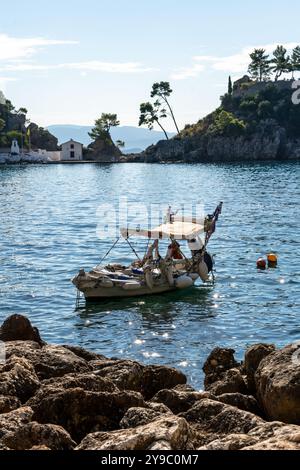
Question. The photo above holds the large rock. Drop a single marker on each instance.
(127, 375)
(88, 381)
(15, 420)
(18, 378)
(277, 382)
(232, 381)
(85, 354)
(218, 362)
(18, 327)
(179, 401)
(8, 403)
(278, 437)
(231, 442)
(217, 417)
(157, 378)
(253, 357)
(48, 361)
(81, 412)
(166, 433)
(138, 417)
(104, 150)
(243, 402)
(267, 436)
(42, 139)
(130, 375)
(35, 434)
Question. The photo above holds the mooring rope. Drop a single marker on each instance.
(111, 248)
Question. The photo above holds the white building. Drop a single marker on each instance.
(71, 150)
(15, 149)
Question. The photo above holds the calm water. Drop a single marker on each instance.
(48, 231)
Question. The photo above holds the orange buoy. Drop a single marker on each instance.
(261, 263)
(272, 259)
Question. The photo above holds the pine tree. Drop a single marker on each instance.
(295, 60)
(260, 68)
(281, 62)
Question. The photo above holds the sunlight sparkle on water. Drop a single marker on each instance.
(139, 341)
(150, 355)
(183, 364)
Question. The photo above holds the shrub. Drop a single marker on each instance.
(265, 109)
(227, 124)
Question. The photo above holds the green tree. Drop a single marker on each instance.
(120, 144)
(230, 88)
(163, 91)
(11, 135)
(22, 111)
(226, 124)
(9, 106)
(102, 127)
(265, 109)
(2, 124)
(151, 114)
(281, 62)
(2, 98)
(259, 67)
(295, 60)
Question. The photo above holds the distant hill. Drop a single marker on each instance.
(136, 138)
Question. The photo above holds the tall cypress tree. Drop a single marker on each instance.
(230, 88)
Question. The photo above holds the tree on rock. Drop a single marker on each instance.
(260, 68)
(151, 114)
(163, 91)
(102, 127)
(281, 62)
(120, 144)
(295, 60)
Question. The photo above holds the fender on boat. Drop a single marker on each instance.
(105, 282)
(183, 282)
(149, 278)
(203, 271)
(169, 276)
(134, 285)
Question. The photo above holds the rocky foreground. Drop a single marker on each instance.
(67, 398)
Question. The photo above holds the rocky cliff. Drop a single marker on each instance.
(259, 122)
(103, 150)
(14, 126)
(269, 142)
(65, 398)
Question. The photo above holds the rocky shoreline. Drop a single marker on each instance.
(269, 143)
(67, 398)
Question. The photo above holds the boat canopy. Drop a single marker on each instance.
(179, 229)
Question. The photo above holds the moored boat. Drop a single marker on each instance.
(153, 273)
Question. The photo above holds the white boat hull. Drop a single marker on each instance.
(119, 292)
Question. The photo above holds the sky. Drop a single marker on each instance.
(69, 61)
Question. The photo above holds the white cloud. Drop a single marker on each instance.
(188, 72)
(93, 65)
(12, 48)
(235, 63)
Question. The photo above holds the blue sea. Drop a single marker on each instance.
(48, 230)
